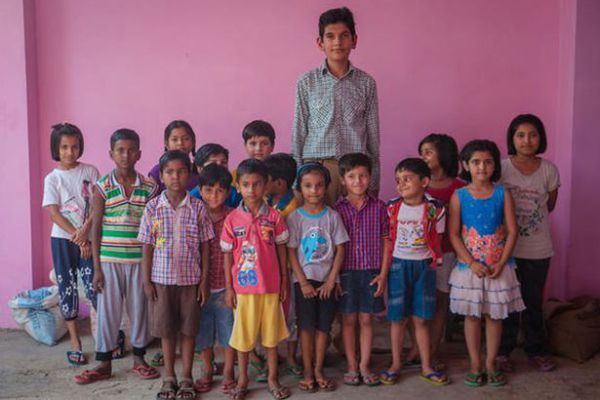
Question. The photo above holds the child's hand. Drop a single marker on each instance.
(381, 283)
(98, 280)
(85, 250)
(150, 291)
(230, 300)
(283, 291)
(203, 293)
(79, 238)
(324, 291)
(495, 270)
(308, 290)
(478, 269)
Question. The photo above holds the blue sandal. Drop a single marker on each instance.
(76, 358)
(436, 378)
(389, 377)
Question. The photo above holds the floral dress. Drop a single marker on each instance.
(484, 235)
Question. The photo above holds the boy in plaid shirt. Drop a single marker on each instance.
(175, 230)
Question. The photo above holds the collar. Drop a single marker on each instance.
(263, 210)
(285, 200)
(163, 201)
(302, 211)
(115, 182)
(325, 70)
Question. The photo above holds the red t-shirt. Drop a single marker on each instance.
(444, 195)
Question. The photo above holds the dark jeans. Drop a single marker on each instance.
(532, 275)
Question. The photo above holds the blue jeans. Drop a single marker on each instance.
(216, 322)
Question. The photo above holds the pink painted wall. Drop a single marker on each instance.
(465, 68)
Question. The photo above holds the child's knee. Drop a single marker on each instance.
(365, 319)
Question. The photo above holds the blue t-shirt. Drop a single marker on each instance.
(233, 200)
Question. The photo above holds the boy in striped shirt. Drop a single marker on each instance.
(118, 204)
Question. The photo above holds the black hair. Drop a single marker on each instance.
(313, 167)
(173, 155)
(124, 134)
(214, 174)
(60, 130)
(526, 119)
(207, 150)
(282, 166)
(335, 15)
(447, 152)
(481, 145)
(259, 128)
(414, 165)
(352, 160)
(252, 166)
(180, 124)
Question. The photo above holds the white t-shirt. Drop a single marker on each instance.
(531, 193)
(71, 190)
(411, 239)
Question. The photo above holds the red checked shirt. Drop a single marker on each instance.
(216, 274)
(176, 235)
(366, 227)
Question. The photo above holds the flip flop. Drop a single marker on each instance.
(436, 378)
(158, 359)
(496, 378)
(279, 392)
(475, 380)
(389, 377)
(168, 389)
(505, 364)
(294, 370)
(542, 363)
(203, 385)
(370, 379)
(76, 358)
(326, 384)
(238, 393)
(90, 376)
(352, 378)
(227, 385)
(145, 372)
(308, 386)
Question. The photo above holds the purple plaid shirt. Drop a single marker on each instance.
(366, 227)
(176, 235)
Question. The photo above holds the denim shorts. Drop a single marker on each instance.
(358, 295)
(411, 289)
(216, 322)
(314, 313)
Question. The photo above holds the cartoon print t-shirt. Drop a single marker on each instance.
(253, 241)
(411, 238)
(70, 190)
(315, 237)
(530, 194)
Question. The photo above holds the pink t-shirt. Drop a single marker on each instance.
(253, 241)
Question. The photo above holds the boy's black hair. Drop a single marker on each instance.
(481, 145)
(180, 124)
(282, 166)
(350, 161)
(207, 150)
(414, 165)
(173, 155)
(526, 119)
(124, 134)
(60, 130)
(335, 15)
(259, 128)
(307, 168)
(447, 152)
(252, 166)
(214, 174)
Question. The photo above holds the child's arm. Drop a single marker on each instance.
(230, 300)
(324, 291)
(80, 237)
(96, 236)
(454, 225)
(203, 292)
(60, 220)
(308, 291)
(372, 131)
(283, 272)
(381, 279)
(147, 258)
(552, 197)
(300, 126)
(510, 222)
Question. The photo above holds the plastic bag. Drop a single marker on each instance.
(38, 313)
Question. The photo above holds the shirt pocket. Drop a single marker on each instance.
(320, 110)
(192, 236)
(353, 108)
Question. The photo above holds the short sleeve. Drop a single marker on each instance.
(282, 234)
(339, 233)
(101, 190)
(205, 224)
(145, 233)
(384, 219)
(51, 193)
(227, 239)
(553, 177)
(294, 229)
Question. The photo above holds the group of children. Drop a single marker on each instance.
(275, 248)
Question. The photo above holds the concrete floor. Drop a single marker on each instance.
(33, 371)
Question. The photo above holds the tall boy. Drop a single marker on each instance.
(118, 204)
(216, 319)
(365, 268)
(175, 230)
(253, 240)
(336, 109)
(416, 223)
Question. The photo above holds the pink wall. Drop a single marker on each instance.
(465, 68)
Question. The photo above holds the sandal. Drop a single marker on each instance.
(496, 378)
(505, 364)
(308, 386)
(414, 363)
(228, 385)
(145, 372)
(90, 376)
(352, 378)
(168, 390)
(370, 379)
(294, 370)
(186, 389)
(261, 370)
(279, 392)
(543, 363)
(238, 393)
(475, 379)
(158, 359)
(119, 352)
(76, 358)
(203, 385)
(436, 378)
(389, 377)
(326, 384)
